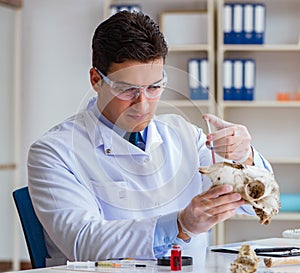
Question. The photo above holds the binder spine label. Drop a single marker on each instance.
(249, 76)
(237, 79)
(227, 24)
(227, 79)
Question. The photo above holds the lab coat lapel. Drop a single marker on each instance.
(114, 144)
(153, 138)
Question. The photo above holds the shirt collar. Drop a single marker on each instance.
(105, 121)
(102, 135)
(109, 124)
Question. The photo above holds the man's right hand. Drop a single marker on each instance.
(209, 208)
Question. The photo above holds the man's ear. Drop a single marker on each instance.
(94, 79)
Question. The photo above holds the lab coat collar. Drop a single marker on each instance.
(114, 144)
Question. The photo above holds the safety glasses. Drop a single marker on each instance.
(126, 91)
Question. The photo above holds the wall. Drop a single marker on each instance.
(6, 130)
(55, 62)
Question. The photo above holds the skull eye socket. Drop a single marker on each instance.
(255, 189)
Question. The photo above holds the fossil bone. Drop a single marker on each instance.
(269, 262)
(257, 186)
(246, 261)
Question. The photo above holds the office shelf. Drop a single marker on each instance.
(264, 47)
(263, 103)
(273, 124)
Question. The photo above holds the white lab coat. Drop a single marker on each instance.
(98, 196)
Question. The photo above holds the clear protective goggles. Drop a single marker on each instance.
(127, 91)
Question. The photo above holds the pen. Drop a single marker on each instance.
(225, 250)
(86, 264)
(122, 264)
(89, 264)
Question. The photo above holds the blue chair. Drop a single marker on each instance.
(32, 228)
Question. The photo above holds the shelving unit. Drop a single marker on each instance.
(274, 125)
(176, 98)
(268, 120)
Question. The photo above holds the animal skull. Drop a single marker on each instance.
(256, 185)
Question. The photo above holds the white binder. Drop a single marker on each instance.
(227, 79)
(248, 23)
(237, 79)
(227, 24)
(237, 23)
(259, 26)
(249, 79)
(204, 75)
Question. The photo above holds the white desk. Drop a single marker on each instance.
(212, 262)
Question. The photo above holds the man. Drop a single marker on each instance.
(97, 195)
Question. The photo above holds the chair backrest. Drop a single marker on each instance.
(32, 228)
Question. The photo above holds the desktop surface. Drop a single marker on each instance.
(211, 262)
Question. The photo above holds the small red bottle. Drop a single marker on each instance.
(176, 260)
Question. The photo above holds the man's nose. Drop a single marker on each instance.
(140, 93)
(141, 102)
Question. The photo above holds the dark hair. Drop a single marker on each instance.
(127, 36)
